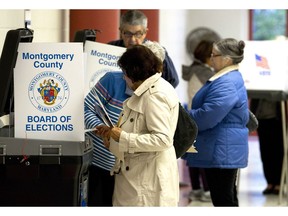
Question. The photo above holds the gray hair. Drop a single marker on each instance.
(156, 48)
(133, 17)
(231, 48)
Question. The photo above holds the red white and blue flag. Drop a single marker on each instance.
(262, 62)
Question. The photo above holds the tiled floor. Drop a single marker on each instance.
(251, 184)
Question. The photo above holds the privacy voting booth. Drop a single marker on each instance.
(265, 72)
(44, 154)
(265, 69)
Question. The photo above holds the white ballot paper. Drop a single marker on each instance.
(192, 149)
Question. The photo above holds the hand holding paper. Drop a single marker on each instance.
(103, 131)
(115, 133)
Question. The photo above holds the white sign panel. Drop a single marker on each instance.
(49, 91)
(101, 58)
(265, 65)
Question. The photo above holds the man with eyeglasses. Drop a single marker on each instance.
(133, 29)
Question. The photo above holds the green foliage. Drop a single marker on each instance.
(267, 24)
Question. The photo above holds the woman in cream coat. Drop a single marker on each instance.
(146, 174)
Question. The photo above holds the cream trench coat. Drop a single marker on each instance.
(149, 173)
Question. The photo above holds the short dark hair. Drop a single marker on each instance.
(203, 50)
(139, 63)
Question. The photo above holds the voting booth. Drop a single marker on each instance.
(265, 73)
(44, 153)
(265, 69)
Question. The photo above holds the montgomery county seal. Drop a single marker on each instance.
(48, 91)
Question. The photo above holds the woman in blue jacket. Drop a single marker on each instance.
(220, 109)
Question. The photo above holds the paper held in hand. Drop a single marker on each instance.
(192, 149)
(90, 130)
(101, 111)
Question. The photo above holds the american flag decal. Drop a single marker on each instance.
(262, 62)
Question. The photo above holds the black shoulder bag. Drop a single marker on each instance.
(186, 132)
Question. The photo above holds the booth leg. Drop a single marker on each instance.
(284, 174)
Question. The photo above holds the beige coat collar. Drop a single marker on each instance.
(147, 84)
(224, 71)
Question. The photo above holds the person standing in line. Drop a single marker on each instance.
(133, 30)
(270, 136)
(112, 90)
(197, 74)
(147, 172)
(220, 109)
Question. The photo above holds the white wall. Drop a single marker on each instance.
(48, 25)
(176, 24)
(10, 19)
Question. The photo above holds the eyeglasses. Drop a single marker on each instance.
(137, 34)
(215, 55)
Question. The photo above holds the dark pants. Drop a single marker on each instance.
(198, 178)
(101, 187)
(271, 148)
(222, 185)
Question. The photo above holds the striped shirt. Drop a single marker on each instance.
(110, 90)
